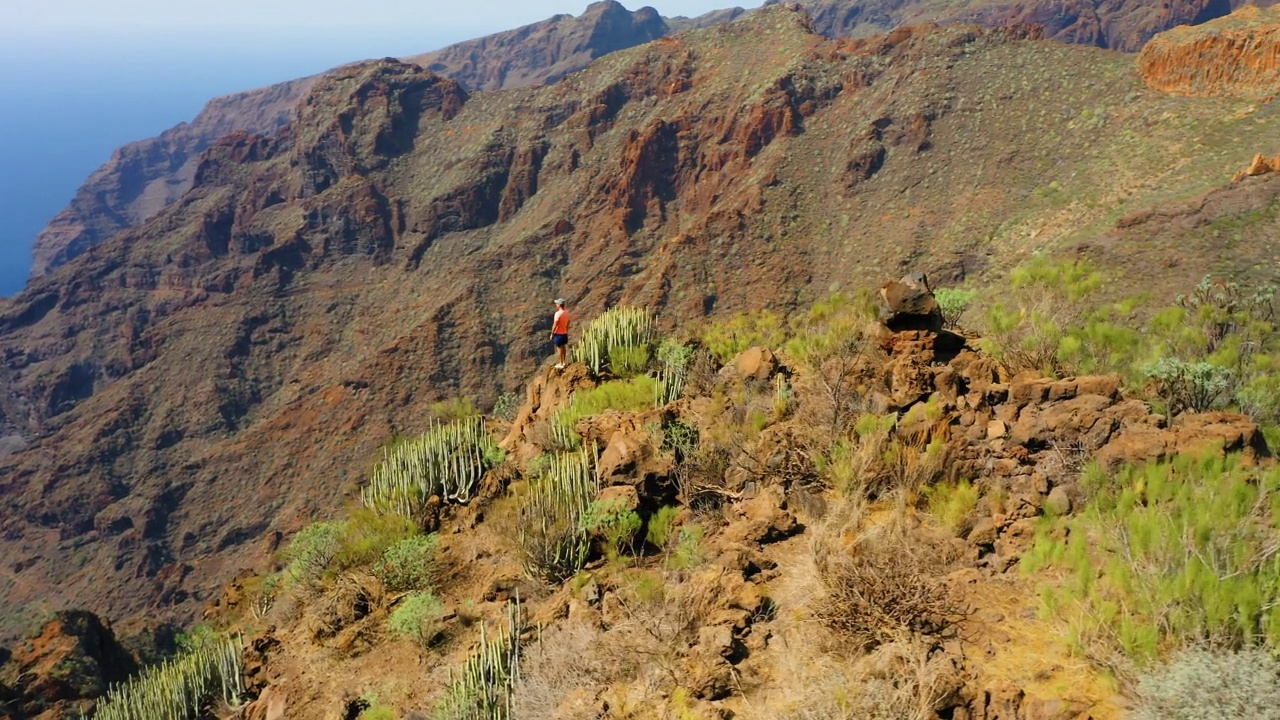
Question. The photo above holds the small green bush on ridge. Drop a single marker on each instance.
(408, 565)
(637, 393)
(415, 618)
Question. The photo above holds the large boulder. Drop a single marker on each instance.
(908, 304)
(757, 363)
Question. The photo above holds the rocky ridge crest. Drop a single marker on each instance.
(141, 178)
(1237, 55)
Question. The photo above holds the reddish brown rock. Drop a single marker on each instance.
(1238, 55)
(908, 304)
(757, 363)
(1261, 165)
(75, 657)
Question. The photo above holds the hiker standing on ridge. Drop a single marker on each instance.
(560, 331)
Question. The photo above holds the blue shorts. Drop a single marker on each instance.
(560, 340)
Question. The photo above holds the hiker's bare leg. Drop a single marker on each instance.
(561, 350)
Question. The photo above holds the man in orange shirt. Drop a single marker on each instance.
(560, 331)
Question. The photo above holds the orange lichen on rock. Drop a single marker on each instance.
(1237, 55)
(1261, 165)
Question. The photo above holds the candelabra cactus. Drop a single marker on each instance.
(446, 461)
(180, 688)
(550, 520)
(485, 687)
(619, 329)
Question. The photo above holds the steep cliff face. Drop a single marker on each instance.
(144, 177)
(1238, 55)
(181, 397)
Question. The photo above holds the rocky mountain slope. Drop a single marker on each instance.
(734, 623)
(177, 400)
(546, 51)
(143, 177)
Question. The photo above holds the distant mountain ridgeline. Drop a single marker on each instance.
(143, 177)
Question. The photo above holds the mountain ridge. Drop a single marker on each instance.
(144, 176)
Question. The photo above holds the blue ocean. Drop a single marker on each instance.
(65, 106)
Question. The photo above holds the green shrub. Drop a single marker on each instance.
(726, 339)
(616, 523)
(679, 438)
(179, 688)
(453, 409)
(953, 303)
(662, 526)
(1170, 554)
(1195, 386)
(416, 618)
(688, 551)
(378, 712)
(312, 551)
(628, 360)
(1103, 341)
(1203, 685)
(506, 407)
(1046, 301)
(410, 564)
(446, 461)
(674, 354)
(366, 535)
(1222, 308)
(620, 335)
(953, 505)
(622, 395)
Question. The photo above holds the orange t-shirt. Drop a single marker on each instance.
(560, 325)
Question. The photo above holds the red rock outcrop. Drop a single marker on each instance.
(73, 658)
(1238, 55)
(1261, 165)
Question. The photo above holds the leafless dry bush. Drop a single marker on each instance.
(635, 662)
(903, 680)
(885, 584)
(832, 393)
(562, 674)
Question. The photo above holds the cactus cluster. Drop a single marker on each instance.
(179, 689)
(670, 385)
(551, 528)
(485, 687)
(447, 461)
(621, 329)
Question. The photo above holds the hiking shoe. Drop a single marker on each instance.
(559, 366)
